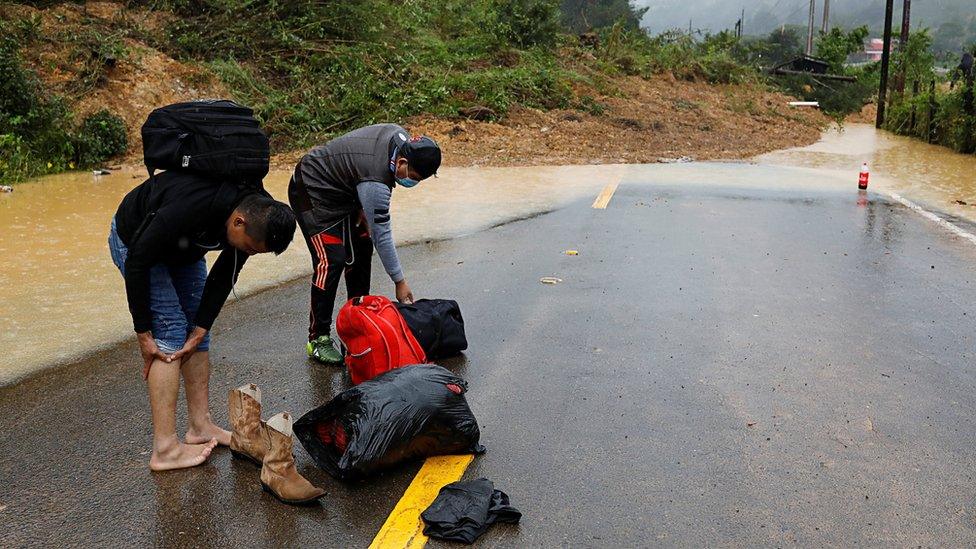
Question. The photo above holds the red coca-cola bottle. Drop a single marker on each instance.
(862, 180)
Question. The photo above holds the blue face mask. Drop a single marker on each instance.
(405, 182)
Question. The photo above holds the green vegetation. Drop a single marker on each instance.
(715, 59)
(37, 132)
(954, 35)
(314, 69)
(836, 98)
(101, 136)
(585, 15)
(935, 113)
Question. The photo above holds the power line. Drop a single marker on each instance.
(803, 5)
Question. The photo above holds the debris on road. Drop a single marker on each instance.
(387, 420)
(550, 280)
(571, 252)
(678, 160)
(6, 189)
(464, 510)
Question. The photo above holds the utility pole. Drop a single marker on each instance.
(826, 25)
(885, 58)
(742, 22)
(906, 12)
(813, 7)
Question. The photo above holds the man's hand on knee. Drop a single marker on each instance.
(149, 351)
(190, 347)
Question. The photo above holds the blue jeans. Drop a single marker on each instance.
(174, 296)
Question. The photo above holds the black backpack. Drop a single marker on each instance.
(438, 326)
(213, 137)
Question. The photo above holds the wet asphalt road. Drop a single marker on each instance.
(719, 366)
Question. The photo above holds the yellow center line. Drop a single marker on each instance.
(403, 528)
(605, 195)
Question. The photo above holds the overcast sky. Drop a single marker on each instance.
(764, 15)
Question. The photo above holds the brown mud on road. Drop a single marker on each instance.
(645, 121)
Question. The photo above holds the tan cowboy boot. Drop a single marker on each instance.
(278, 473)
(247, 439)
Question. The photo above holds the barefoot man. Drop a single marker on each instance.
(158, 239)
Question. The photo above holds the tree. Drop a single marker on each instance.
(585, 15)
(784, 44)
(915, 59)
(527, 23)
(950, 37)
(835, 45)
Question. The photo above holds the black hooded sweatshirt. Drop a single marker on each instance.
(175, 218)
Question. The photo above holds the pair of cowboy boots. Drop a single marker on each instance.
(269, 445)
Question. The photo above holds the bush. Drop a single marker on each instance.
(527, 22)
(951, 125)
(36, 135)
(837, 99)
(34, 139)
(101, 136)
(436, 58)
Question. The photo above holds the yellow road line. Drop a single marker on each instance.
(403, 528)
(605, 195)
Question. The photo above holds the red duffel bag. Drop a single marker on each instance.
(376, 338)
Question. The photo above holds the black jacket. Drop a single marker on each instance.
(176, 218)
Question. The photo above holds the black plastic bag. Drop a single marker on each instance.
(411, 412)
(438, 326)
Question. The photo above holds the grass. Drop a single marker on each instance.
(314, 70)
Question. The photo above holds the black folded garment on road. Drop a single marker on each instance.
(464, 510)
(438, 326)
(411, 412)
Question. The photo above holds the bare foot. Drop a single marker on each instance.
(181, 456)
(211, 431)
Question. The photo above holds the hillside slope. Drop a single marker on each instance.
(105, 55)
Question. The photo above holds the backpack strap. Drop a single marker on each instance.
(418, 351)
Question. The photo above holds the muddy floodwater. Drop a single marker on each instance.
(61, 297)
(933, 176)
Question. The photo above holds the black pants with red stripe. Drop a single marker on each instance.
(333, 255)
(339, 249)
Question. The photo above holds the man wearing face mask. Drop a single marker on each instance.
(341, 194)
